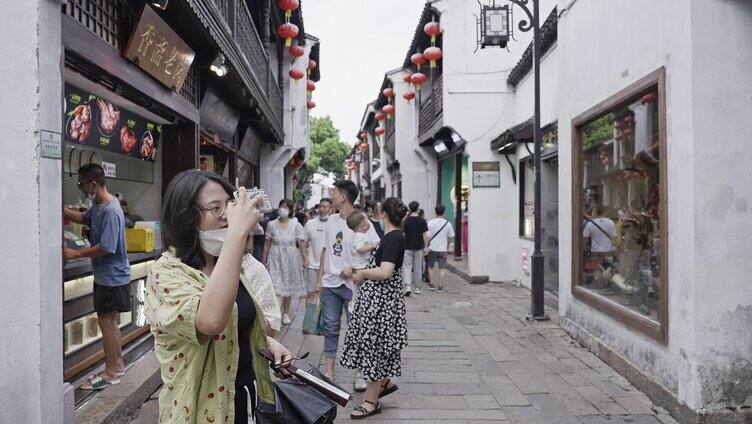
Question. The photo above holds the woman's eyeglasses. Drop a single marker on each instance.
(217, 209)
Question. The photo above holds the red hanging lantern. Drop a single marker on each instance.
(296, 74)
(409, 95)
(389, 110)
(388, 93)
(648, 98)
(380, 116)
(418, 59)
(407, 77)
(432, 29)
(433, 54)
(297, 51)
(363, 147)
(379, 131)
(419, 79)
(288, 31)
(311, 104)
(363, 135)
(310, 86)
(288, 6)
(311, 64)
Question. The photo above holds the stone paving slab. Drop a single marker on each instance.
(472, 358)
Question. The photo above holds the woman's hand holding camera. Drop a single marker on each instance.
(243, 215)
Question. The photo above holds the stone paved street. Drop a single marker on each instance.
(473, 358)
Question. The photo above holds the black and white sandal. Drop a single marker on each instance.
(365, 413)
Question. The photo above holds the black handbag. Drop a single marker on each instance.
(298, 403)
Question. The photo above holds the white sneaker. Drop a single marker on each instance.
(286, 320)
(408, 290)
(359, 383)
(418, 291)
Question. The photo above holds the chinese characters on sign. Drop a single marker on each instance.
(486, 174)
(156, 49)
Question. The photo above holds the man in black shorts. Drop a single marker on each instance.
(109, 261)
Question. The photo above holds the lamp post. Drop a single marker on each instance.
(496, 31)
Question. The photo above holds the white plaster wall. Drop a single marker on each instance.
(274, 177)
(722, 181)
(626, 48)
(417, 164)
(31, 388)
(479, 106)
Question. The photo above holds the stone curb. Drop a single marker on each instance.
(472, 279)
(116, 404)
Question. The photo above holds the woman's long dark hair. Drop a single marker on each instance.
(181, 214)
(395, 210)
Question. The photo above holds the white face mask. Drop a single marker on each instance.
(212, 240)
(284, 212)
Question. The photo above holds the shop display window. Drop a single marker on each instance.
(619, 218)
(527, 196)
(84, 331)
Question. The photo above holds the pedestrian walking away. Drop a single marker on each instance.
(112, 271)
(285, 257)
(440, 233)
(378, 330)
(207, 323)
(314, 244)
(416, 239)
(335, 271)
(374, 215)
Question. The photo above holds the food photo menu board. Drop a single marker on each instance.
(93, 121)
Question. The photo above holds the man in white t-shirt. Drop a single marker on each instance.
(314, 245)
(335, 270)
(601, 232)
(440, 232)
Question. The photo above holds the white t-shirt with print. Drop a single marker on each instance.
(440, 242)
(314, 232)
(339, 237)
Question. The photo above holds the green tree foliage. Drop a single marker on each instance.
(598, 130)
(323, 129)
(328, 152)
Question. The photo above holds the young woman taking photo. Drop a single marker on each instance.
(207, 325)
(378, 328)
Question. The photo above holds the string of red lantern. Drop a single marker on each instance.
(380, 116)
(389, 110)
(296, 74)
(418, 79)
(433, 53)
(288, 31)
(288, 6)
(363, 147)
(311, 104)
(379, 131)
(310, 86)
(418, 60)
(297, 51)
(408, 96)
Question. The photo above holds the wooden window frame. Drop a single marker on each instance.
(657, 331)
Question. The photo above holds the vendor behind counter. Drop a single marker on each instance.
(109, 260)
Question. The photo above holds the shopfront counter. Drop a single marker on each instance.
(82, 338)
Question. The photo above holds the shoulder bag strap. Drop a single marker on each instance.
(438, 232)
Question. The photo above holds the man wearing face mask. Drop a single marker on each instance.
(109, 261)
(314, 244)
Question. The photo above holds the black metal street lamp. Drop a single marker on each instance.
(494, 21)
